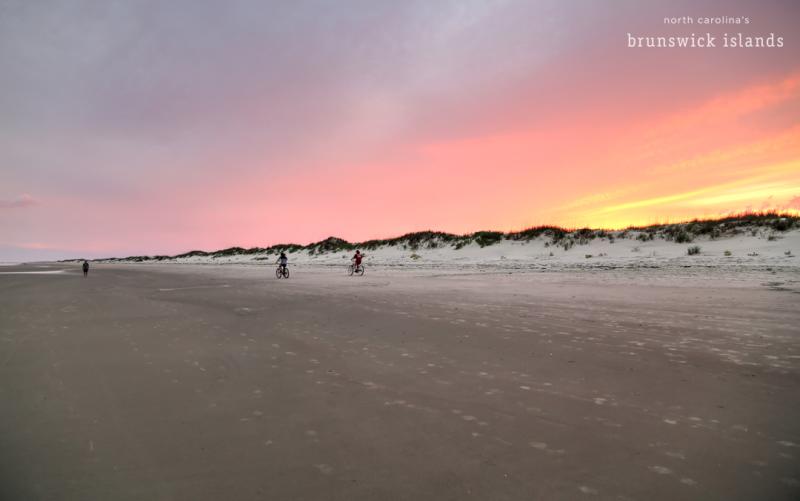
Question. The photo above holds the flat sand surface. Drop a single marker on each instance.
(223, 383)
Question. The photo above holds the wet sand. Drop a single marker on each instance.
(222, 382)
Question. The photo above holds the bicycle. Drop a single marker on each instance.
(353, 269)
(282, 272)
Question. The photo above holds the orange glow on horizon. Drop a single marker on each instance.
(705, 162)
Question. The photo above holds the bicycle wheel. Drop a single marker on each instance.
(350, 270)
(286, 273)
(278, 272)
(360, 271)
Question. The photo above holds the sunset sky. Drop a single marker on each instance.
(151, 127)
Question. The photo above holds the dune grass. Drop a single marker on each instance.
(766, 224)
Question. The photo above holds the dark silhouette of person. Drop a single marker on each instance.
(357, 259)
(283, 260)
(85, 268)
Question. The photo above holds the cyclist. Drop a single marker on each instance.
(283, 261)
(357, 260)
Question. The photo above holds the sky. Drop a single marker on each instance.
(149, 127)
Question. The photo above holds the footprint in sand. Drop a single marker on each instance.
(324, 468)
(544, 447)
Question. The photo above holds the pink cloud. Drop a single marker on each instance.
(34, 245)
(23, 200)
(794, 203)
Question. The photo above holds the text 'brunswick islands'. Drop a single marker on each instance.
(706, 41)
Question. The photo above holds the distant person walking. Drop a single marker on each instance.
(85, 268)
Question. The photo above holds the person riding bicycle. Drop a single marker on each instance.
(283, 261)
(357, 259)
